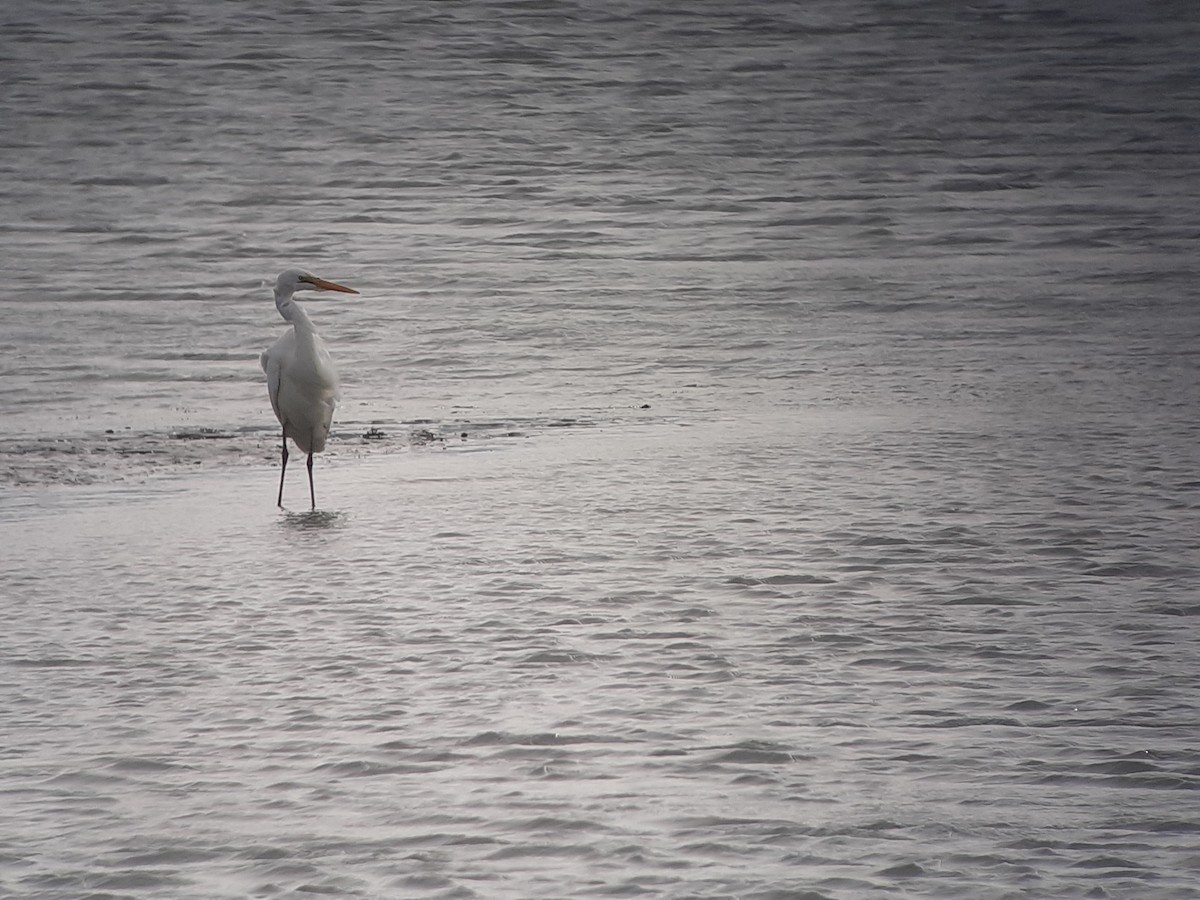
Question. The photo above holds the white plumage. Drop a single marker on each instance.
(301, 378)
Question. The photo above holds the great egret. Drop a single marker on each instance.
(301, 378)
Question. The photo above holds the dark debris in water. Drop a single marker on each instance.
(120, 454)
(201, 434)
(423, 436)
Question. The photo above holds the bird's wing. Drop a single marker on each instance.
(271, 365)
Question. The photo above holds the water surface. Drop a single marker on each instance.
(766, 468)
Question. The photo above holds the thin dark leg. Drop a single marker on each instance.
(312, 492)
(282, 471)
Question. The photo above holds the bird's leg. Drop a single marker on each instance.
(282, 472)
(312, 492)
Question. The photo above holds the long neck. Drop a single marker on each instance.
(293, 312)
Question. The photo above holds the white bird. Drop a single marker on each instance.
(301, 379)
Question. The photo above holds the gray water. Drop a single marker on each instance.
(767, 466)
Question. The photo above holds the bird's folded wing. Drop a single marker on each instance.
(271, 366)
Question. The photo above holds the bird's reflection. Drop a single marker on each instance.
(313, 519)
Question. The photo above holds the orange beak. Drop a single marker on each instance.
(322, 285)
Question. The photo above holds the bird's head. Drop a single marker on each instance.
(295, 280)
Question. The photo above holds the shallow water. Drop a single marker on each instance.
(593, 662)
(767, 464)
